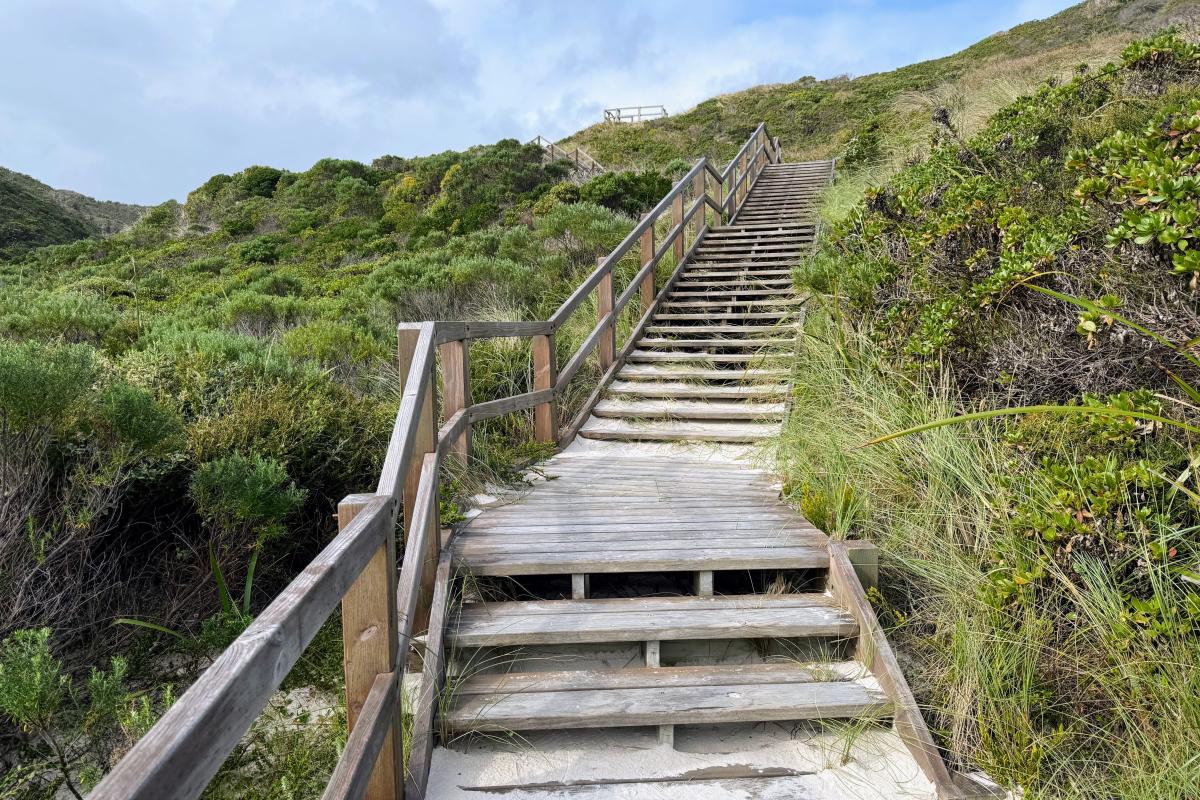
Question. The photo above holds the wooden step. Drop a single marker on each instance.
(723, 432)
(785, 332)
(621, 541)
(755, 247)
(756, 305)
(650, 619)
(741, 344)
(692, 391)
(782, 225)
(690, 410)
(713, 315)
(660, 696)
(755, 259)
(652, 356)
(677, 372)
(718, 292)
(739, 269)
(688, 281)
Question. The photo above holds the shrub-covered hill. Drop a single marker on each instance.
(183, 403)
(1044, 567)
(34, 215)
(886, 116)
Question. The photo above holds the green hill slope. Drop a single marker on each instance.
(33, 215)
(887, 114)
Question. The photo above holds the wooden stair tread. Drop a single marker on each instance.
(739, 343)
(659, 409)
(710, 695)
(650, 356)
(671, 431)
(685, 391)
(786, 331)
(669, 372)
(650, 619)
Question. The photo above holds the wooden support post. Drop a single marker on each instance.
(704, 583)
(653, 654)
(677, 221)
(606, 298)
(545, 375)
(864, 557)
(698, 191)
(580, 586)
(647, 246)
(424, 442)
(456, 391)
(369, 641)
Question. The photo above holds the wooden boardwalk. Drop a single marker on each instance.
(650, 582)
(673, 542)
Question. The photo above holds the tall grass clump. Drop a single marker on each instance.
(1068, 676)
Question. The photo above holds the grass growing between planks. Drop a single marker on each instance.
(1054, 674)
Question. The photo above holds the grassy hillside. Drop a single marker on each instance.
(886, 116)
(34, 215)
(182, 405)
(1043, 564)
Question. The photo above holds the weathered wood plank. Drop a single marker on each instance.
(575, 621)
(433, 667)
(369, 645)
(876, 653)
(544, 710)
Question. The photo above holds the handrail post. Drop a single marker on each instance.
(369, 639)
(647, 246)
(424, 442)
(456, 391)
(731, 195)
(698, 191)
(677, 222)
(605, 300)
(545, 375)
(720, 215)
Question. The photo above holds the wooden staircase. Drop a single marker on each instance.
(722, 605)
(643, 586)
(711, 366)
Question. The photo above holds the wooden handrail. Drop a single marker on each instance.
(181, 753)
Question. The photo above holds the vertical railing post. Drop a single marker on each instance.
(677, 222)
(698, 191)
(456, 391)
(605, 300)
(369, 640)
(424, 442)
(647, 248)
(720, 215)
(545, 375)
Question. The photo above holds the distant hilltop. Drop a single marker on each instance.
(33, 214)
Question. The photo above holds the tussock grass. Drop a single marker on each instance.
(1059, 694)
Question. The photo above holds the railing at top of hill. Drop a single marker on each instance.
(634, 113)
(381, 609)
(584, 163)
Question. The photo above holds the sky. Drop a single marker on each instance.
(143, 100)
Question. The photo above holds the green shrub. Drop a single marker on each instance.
(259, 181)
(137, 419)
(263, 250)
(238, 494)
(627, 192)
(40, 384)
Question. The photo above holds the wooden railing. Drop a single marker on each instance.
(584, 163)
(382, 609)
(634, 113)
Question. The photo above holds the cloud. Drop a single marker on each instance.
(140, 100)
